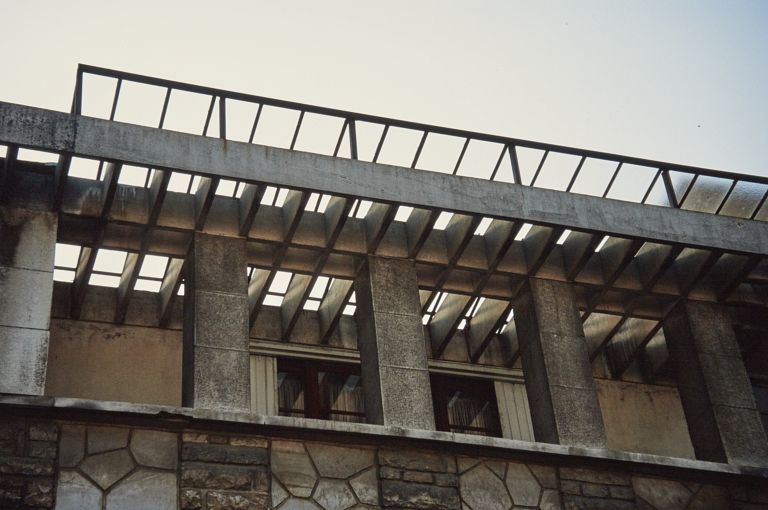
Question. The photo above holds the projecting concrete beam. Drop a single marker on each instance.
(55, 131)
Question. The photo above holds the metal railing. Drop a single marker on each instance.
(679, 186)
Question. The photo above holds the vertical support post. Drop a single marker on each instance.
(27, 241)
(393, 354)
(216, 364)
(558, 374)
(714, 387)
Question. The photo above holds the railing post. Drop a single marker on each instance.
(77, 99)
(352, 139)
(222, 118)
(670, 189)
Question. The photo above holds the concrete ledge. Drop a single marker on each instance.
(180, 417)
(96, 138)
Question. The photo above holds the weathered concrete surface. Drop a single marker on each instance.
(393, 356)
(27, 240)
(558, 375)
(216, 365)
(113, 362)
(717, 396)
(49, 130)
(644, 418)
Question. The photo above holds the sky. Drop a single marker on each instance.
(679, 81)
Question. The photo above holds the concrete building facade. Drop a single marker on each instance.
(217, 319)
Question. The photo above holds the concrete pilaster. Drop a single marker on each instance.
(27, 244)
(558, 375)
(714, 387)
(216, 367)
(393, 355)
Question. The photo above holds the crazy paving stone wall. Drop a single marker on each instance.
(85, 466)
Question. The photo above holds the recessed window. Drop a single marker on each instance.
(326, 391)
(465, 406)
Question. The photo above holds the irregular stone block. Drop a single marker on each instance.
(224, 454)
(237, 500)
(661, 493)
(546, 475)
(334, 495)
(144, 489)
(11, 491)
(291, 465)
(107, 468)
(42, 449)
(481, 489)
(39, 493)
(550, 500)
(522, 485)
(366, 487)
(194, 437)
(191, 499)
(339, 461)
(300, 504)
(412, 495)
(446, 480)
(43, 432)
(417, 476)
(278, 493)
(415, 460)
(71, 445)
(74, 492)
(253, 442)
(594, 490)
(211, 476)
(104, 439)
(585, 503)
(153, 448)
(26, 466)
(594, 476)
(710, 497)
(390, 473)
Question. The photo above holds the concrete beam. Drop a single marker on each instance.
(55, 131)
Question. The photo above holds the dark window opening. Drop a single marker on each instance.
(313, 389)
(465, 406)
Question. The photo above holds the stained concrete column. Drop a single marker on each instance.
(717, 398)
(216, 368)
(27, 244)
(393, 354)
(558, 374)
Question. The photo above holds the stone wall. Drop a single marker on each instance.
(64, 464)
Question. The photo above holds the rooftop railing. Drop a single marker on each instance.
(338, 133)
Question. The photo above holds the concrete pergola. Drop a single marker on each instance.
(681, 270)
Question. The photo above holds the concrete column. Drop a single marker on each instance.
(27, 243)
(216, 368)
(717, 398)
(393, 354)
(558, 374)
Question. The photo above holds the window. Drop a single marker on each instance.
(312, 389)
(465, 406)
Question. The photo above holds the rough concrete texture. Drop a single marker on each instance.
(715, 390)
(393, 357)
(561, 390)
(644, 418)
(27, 240)
(112, 362)
(215, 358)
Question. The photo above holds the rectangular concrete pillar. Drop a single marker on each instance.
(714, 387)
(558, 374)
(216, 368)
(393, 354)
(27, 244)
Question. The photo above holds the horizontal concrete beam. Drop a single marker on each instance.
(89, 137)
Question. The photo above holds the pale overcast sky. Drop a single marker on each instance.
(682, 81)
